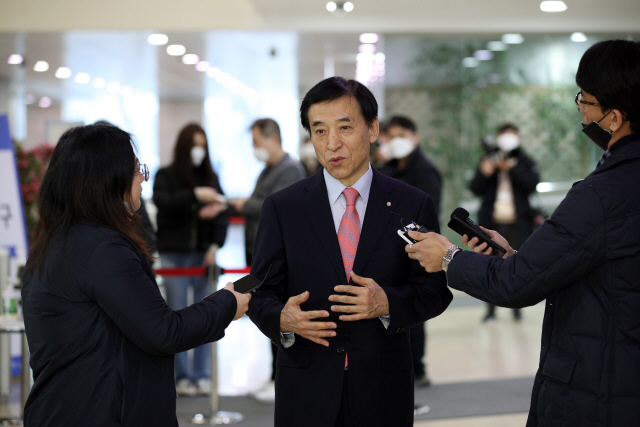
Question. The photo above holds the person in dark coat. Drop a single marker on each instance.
(505, 179)
(341, 294)
(584, 260)
(101, 337)
(192, 226)
(411, 166)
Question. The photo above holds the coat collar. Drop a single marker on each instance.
(629, 151)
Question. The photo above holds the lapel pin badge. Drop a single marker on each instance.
(388, 203)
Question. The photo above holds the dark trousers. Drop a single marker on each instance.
(418, 339)
(344, 415)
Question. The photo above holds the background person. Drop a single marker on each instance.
(505, 179)
(585, 260)
(335, 256)
(280, 171)
(410, 165)
(101, 336)
(192, 226)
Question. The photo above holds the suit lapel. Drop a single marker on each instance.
(315, 203)
(376, 219)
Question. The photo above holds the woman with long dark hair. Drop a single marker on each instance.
(102, 338)
(192, 226)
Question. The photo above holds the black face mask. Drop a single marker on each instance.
(596, 134)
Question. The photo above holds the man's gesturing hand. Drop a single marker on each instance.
(293, 319)
(366, 302)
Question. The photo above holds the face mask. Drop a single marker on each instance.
(508, 142)
(600, 136)
(261, 154)
(198, 154)
(400, 147)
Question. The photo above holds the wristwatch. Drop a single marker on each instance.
(448, 256)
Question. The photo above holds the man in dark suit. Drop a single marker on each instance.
(341, 294)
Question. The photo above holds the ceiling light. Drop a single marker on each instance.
(553, 6)
(367, 48)
(380, 57)
(496, 46)
(578, 37)
(190, 59)
(348, 6)
(158, 39)
(331, 6)
(512, 38)
(366, 57)
(368, 38)
(203, 66)
(99, 82)
(41, 66)
(15, 59)
(126, 90)
(113, 87)
(83, 78)
(29, 99)
(45, 102)
(63, 73)
(483, 55)
(176, 50)
(470, 62)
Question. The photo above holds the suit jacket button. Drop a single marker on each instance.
(340, 350)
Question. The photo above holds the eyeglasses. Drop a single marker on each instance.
(580, 101)
(144, 171)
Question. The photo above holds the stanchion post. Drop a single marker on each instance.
(217, 417)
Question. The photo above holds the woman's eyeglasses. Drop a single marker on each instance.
(144, 171)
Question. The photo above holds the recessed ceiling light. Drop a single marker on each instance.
(331, 6)
(203, 66)
(470, 62)
(99, 82)
(45, 102)
(63, 73)
(348, 6)
(190, 59)
(158, 39)
(483, 55)
(578, 37)
(15, 59)
(496, 46)
(213, 71)
(512, 38)
(368, 38)
(83, 78)
(176, 50)
(113, 87)
(41, 66)
(553, 6)
(29, 99)
(380, 57)
(126, 90)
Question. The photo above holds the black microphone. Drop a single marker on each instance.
(461, 224)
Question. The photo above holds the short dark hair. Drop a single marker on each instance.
(507, 127)
(88, 179)
(268, 128)
(334, 88)
(404, 122)
(610, 71)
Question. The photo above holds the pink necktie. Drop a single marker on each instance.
(349, 230)
(348, 236)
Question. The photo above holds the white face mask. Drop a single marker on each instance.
(400, 147)
(261, 154)
(198, 154)
(508, 142)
